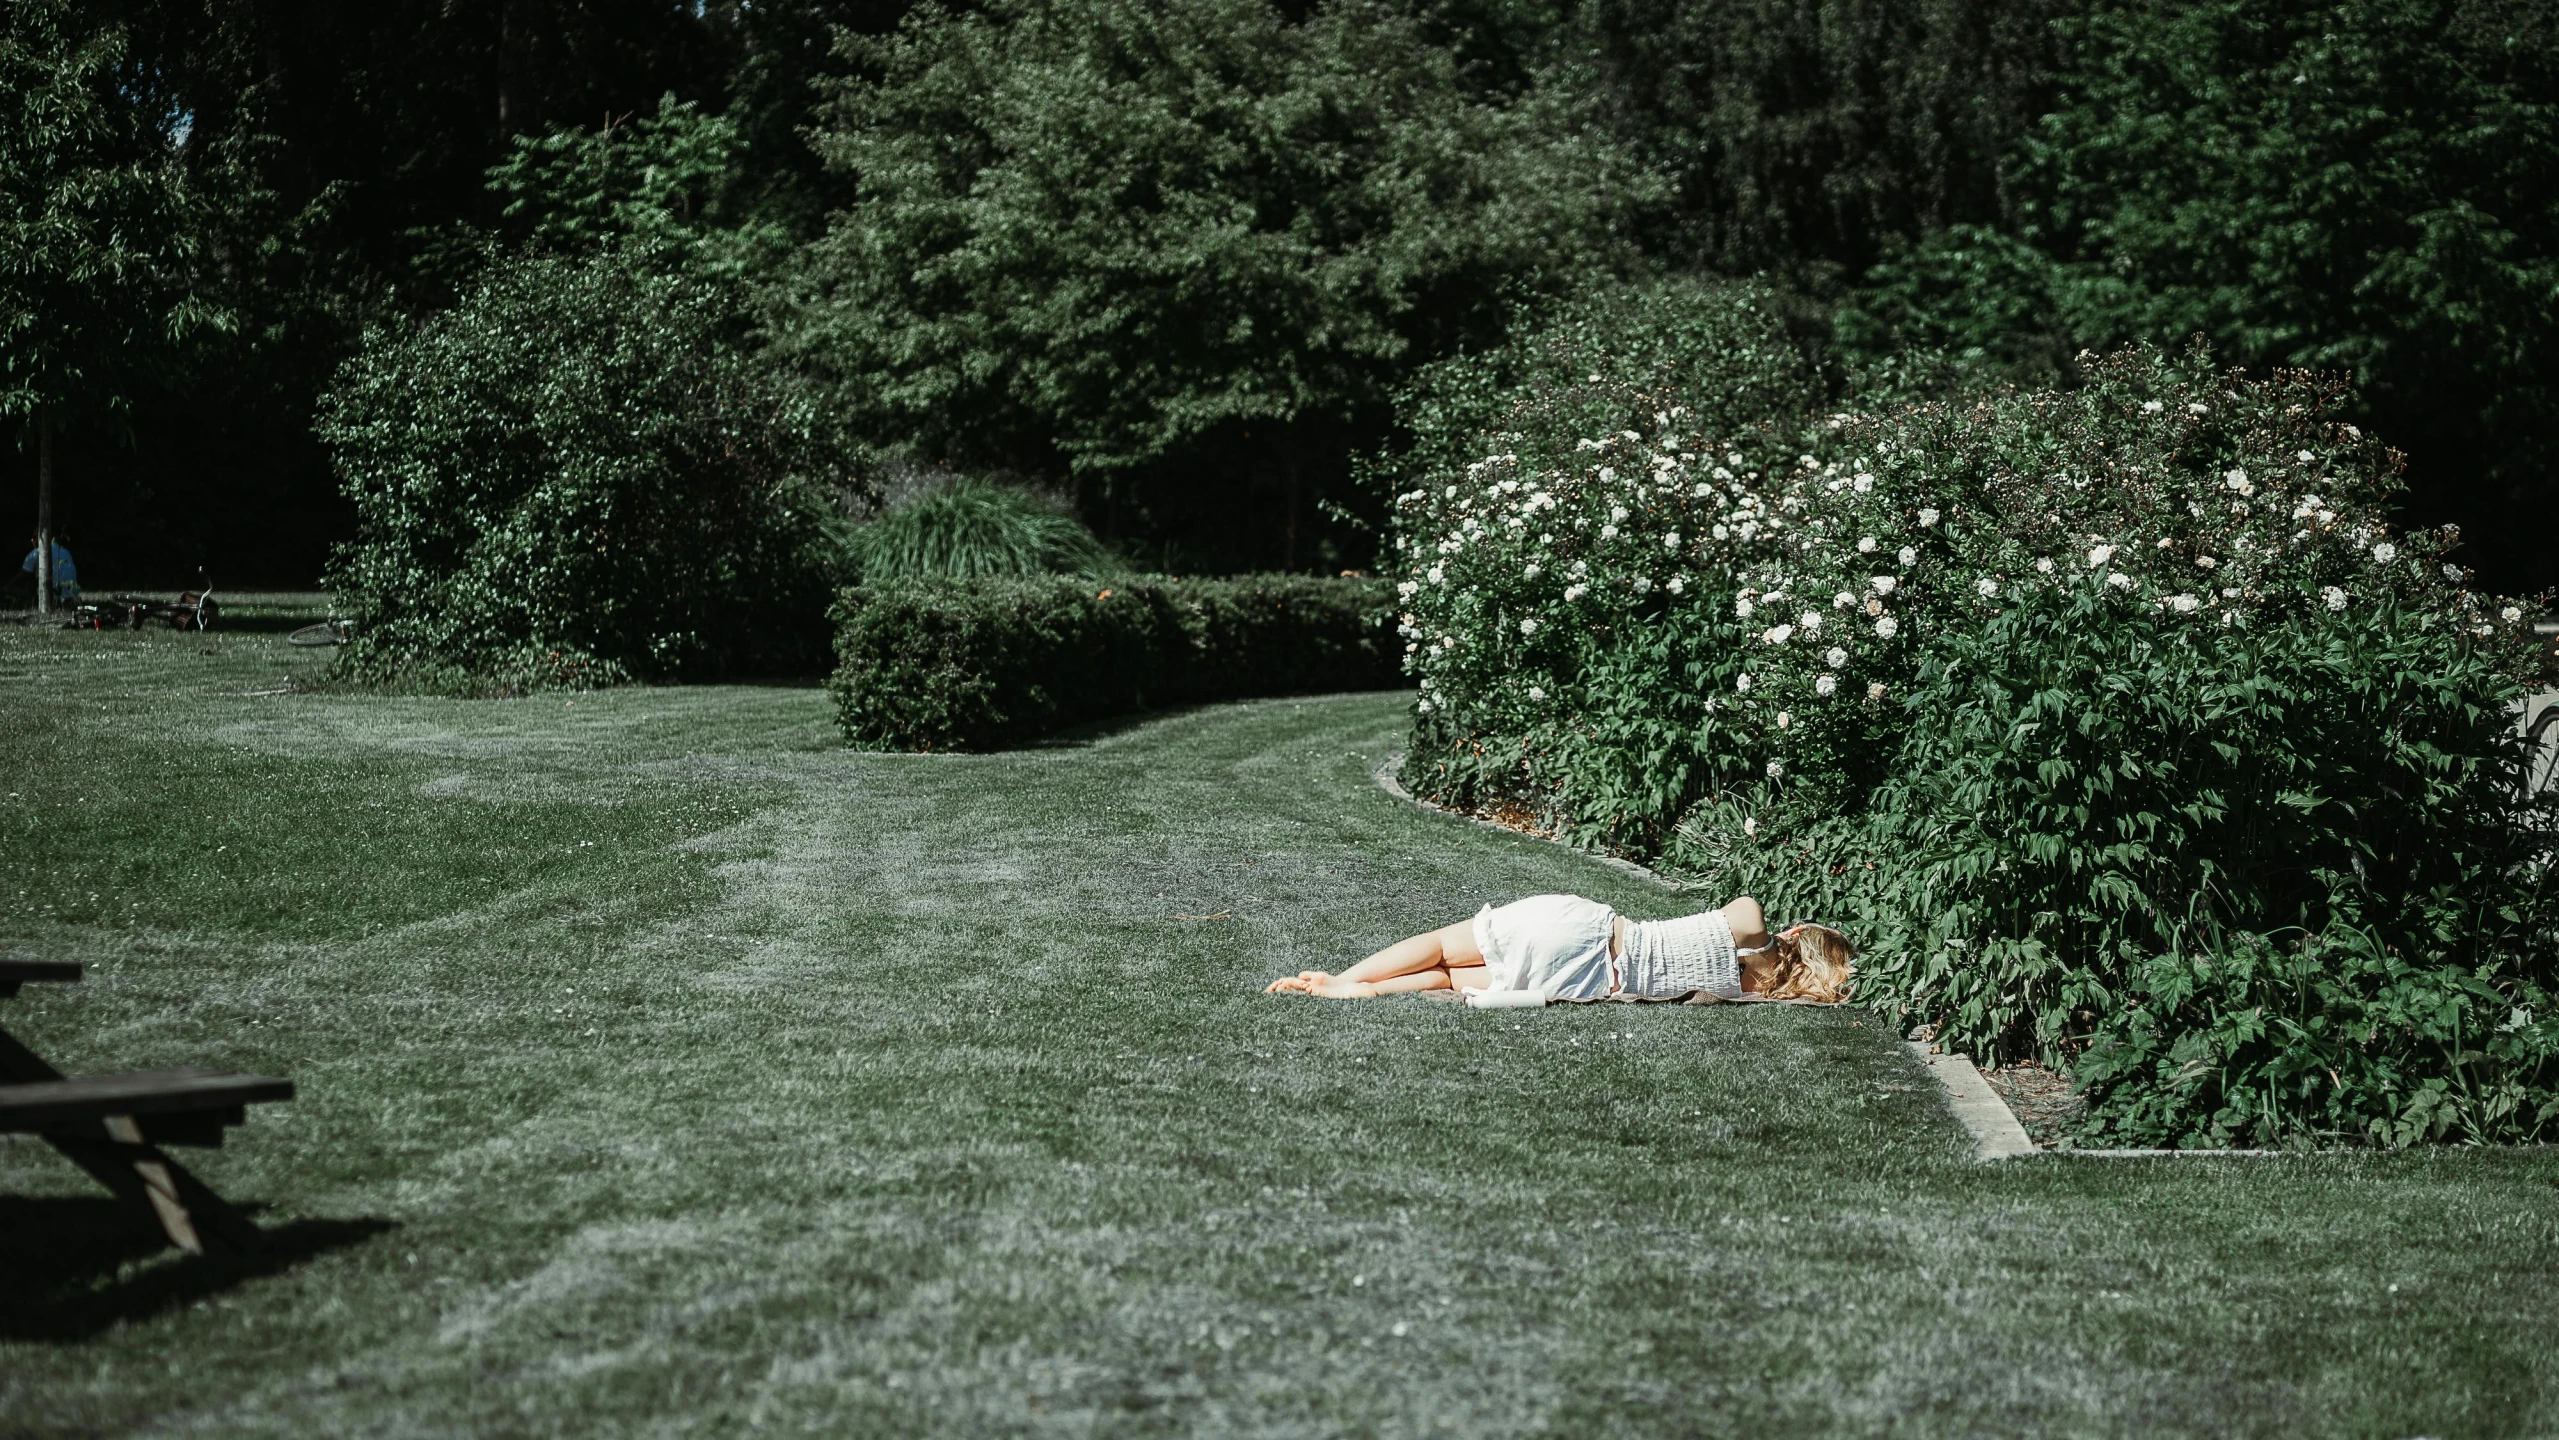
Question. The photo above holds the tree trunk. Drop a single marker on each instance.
(44, 509)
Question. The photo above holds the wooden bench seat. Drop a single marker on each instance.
(14, 973)
(187, 1091)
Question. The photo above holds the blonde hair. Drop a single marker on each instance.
(1814, 962)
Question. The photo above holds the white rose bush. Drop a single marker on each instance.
(2122, 725)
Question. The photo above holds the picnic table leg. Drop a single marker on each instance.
(190, 1214)
(116, 1156)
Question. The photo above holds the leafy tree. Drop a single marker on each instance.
(1806, 136)
(2370, 187)
(97, 236)
(579, 474)
(1182, 250)
(663, 184)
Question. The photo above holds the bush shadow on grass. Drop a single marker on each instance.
(72, 1267)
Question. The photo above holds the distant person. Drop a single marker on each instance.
(1569, 948)
(66, 576)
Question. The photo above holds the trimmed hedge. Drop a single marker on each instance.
(977, 664)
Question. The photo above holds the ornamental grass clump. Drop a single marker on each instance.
(2120, 724)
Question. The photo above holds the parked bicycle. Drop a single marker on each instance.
(193, 610)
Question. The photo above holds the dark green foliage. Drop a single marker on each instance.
(100, 249)
(1805, 136)
(1180, 251)
(2370, 187)
(578, 474)
(1584, 367)
(975, 664)
(2253, 890)
(973, 529)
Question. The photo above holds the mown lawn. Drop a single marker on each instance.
(666, 1069)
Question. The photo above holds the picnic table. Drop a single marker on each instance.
(114, 1125)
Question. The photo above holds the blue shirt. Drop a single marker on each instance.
(66, 576)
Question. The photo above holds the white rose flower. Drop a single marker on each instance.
(1641, 583)
(1750, 825)
(2119, 579)
(1438, 576)
(1865, 483)
(1884, 584)
(1779, 635)
(1835, 657)
(1866, 545)
(2234, 478)
(1407, 588)
(2184, 604)
(1606, 475)
(1721, 473)
(1909, 556)
(1671, 541)
(2452, 573)
(1675, 584)
(1927, 519)
(1874, 689)
(1575, 592)
(1528, 627)
(1810, 622)
(1987, 586)
(2510, 614)
(1874, 606)
(2326, 517)
(1536, 692)
(1742, 683)
(2384, 553)
(1843, 600)
(1607, 532)
(1423, 706)
(2335, 597)
(1617, 513)
(2304, 456)
(2151, 407)
(1531, 572)
(1825, 685)
(1722, 534)
(1886, 627)
(2198, 408)
(1775, 770)
(2044, 566)
(1735, 460)
(2100, 555)
(1785, 719)
(2206, 562)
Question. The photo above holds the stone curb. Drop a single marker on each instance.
(1993, 1126)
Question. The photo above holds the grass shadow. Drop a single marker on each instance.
(72, 1267)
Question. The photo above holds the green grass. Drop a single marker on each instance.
(666, 1069)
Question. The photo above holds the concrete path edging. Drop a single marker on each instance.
(1993, 1126)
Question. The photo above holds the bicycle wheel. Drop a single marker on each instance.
(327, 632)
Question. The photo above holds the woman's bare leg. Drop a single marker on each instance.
(1420, 963)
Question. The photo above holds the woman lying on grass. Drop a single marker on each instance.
(1570, 948)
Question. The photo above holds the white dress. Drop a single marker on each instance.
(1558, 946)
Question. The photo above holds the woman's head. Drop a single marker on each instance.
(1813, 962)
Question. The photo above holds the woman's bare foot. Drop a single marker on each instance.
(1301, 983)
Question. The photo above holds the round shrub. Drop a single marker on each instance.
(1566, 596)
(579, 474)
(973, 529)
